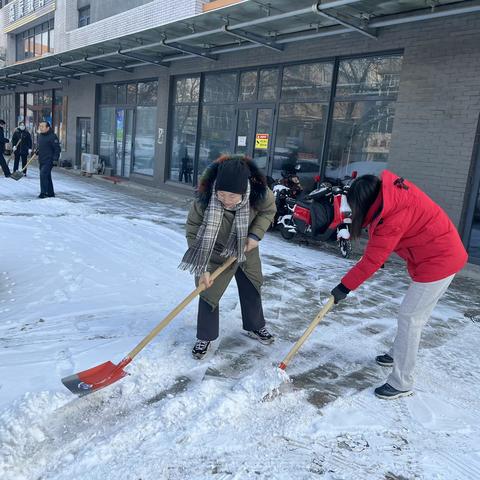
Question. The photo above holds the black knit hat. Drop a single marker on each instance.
(233, 175)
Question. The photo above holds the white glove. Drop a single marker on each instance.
(29, 151)
(14, 149)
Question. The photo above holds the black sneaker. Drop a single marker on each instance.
(200, 349)
(387, 392)
(384, 360)
(263, 335)
(42, 195)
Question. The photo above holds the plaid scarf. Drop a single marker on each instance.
(197, 257)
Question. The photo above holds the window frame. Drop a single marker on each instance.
(275, 103)
(84, 13)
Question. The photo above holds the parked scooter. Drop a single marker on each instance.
(322, 215)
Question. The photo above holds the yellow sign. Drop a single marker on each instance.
(261, 141)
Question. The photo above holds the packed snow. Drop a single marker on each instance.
(86, 275)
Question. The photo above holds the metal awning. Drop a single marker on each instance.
(245, 25)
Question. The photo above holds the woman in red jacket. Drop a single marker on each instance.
(402, 219)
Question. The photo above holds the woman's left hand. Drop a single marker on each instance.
(251, 244)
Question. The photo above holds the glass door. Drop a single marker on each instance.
(83, 138)
(263, 138)
(123, 141)
(244, 138)
(254, 134)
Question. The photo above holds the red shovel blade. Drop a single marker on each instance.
(95, 378)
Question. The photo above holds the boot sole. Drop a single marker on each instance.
(382, 364)
(393, 397)
(263, 342)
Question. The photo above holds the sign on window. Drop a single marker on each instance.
(261, 141)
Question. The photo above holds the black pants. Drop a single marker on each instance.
(4, 165)
(46, 184)
(185, 173)
(19, 156)
(250, 303)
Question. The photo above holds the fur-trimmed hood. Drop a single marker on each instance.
(258, 182)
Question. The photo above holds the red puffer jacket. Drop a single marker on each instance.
(412, 225)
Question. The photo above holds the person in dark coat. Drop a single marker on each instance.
(21, 146)
(233, 210)
(403, 219)
(48, 152)
(3, 141)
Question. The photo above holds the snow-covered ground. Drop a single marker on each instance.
(84, 276)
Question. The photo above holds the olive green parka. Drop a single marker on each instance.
(262, 212)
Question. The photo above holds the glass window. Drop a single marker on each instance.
(220, 87)
(147, 93)
(44, 47)
(108, 94)
(244, 130)
(35, 41)
(84, 16)
(29, 113)
(216, 133)
(20, 46)
(51, 38)
(183, 143)
(122, 94)
(474, 244)
(263, 137)
(308, 81)
(378, 76)
(106, 130)
(268, 84)
(144, 152)
(299, 140)
(248, 86)
(187, 90)
(60, 117)
(131, 93)
(360, 137)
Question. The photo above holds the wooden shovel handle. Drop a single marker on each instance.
(32, 158)
(307, 333)
(178, 309)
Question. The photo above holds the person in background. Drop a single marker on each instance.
(232, 212)
(21, 146)
(48, 152)
(3, 141)
(403, 219)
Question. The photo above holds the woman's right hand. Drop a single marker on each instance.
(206, 280)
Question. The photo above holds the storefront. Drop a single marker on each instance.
(336, 113)
(126, 127)
(44, 106)
(7, 103)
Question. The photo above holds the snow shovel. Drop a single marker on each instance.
(326, 308)
(279, 377)
(101, 376)
(19, 173)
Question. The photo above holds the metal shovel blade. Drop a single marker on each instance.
(95, 378)
(16, 175)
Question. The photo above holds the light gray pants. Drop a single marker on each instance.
(414, 313)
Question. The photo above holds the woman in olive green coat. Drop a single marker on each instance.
(232, 212)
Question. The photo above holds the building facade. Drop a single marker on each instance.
(159, 89)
